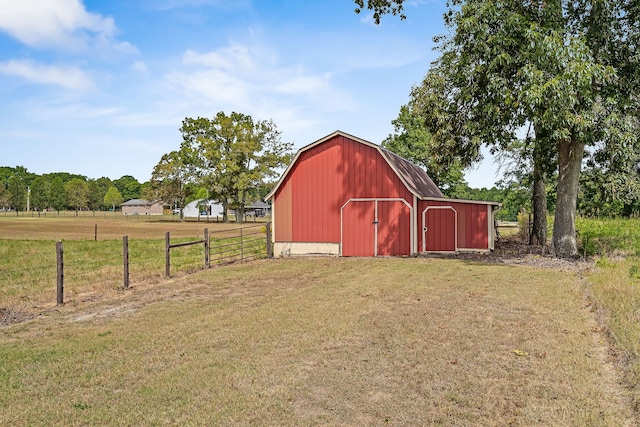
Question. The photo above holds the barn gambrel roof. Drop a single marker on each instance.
(412, 176)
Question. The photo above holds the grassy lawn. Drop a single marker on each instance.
(320, 341)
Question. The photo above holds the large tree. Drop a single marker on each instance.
(97, 190)
(112, 198)
(234, 155)
(40, 193)
(567, 68)
(58, 197)
(16, 182)
(169, 180)
(77, 193)
(413, 141)
(18, 190)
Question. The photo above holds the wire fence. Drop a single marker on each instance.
(33, 273)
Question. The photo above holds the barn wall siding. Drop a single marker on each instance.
(323, 179)
(472, 223)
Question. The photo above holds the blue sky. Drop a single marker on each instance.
(100, 88)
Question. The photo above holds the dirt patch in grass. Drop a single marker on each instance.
(10, 316)
(512, 250)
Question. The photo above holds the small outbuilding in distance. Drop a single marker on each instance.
(344, 196)
(142, 207)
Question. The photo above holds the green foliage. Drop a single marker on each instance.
(19, 172)
(77, 193)
(169, 179)
(381, 7)
(97, 190)
(610, 184)
(40, 193)
(14, 183)
(113, 198)
(48, 190)
(414, 142)
(129, 187)
(5, 197)
(608, 236)
(233, 155)
(64, 176)
(18, 189)
(57, 196)
(563, 68)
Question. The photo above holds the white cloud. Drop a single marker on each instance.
(57, 23)
(140, 67)
(232, 58)
(248, 77)
(67, 77)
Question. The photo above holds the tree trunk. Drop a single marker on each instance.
(241, 204)
(539, 232)
(225, 215)
(570, 152)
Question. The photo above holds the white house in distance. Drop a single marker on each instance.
(202, 207)
(142, 207)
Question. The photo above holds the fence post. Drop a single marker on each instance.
(95, 234)
(167, 245)
(241, 247)
(207, 263)
(269, 246)
(125, 257)
(60, 269)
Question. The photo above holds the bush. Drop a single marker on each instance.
(608, 236)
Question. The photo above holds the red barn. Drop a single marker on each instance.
(342, 195)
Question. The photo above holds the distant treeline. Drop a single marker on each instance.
(21, 189)
(62, 191)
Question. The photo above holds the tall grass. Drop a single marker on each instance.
(614, 287)
(609, 236)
